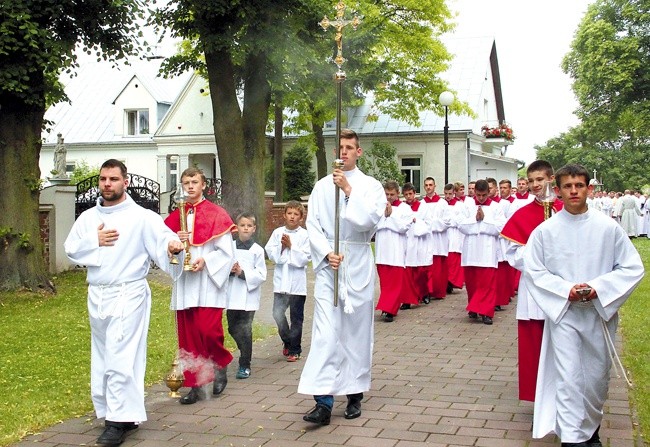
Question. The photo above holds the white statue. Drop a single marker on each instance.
(59, 158)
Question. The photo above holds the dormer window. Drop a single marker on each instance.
(137, 122)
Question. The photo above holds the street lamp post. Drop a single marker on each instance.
(445, 99)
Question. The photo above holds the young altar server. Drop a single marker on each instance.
(117, 240)
(581, 268)
(390, 251)
(200, 295)
(481, 226)
(439, 223)
(530, 318)
(245, 290)
(288, 248)
(340, 358)
(418, 250)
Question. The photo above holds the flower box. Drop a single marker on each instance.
(500, 131)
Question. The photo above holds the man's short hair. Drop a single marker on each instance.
(246, 215)
(540, 165)
(491, 180)
(481, 186)
(192, 172)
(294, 204)
(113, 163)
(505, 181)
(523, 178)
(408, 186)
(571, 170)
(391, 185)
(349, 134)
(458, 185)
(449, 187)
(430, 178)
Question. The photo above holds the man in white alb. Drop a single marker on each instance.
(116, 240)
(580, 267)
(340, 357)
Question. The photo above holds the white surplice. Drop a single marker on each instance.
(481, 246)
(390, 239)
(574, 365)
(245, 294)
(340, 357)
(119, 301)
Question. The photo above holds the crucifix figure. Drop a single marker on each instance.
(339, 24)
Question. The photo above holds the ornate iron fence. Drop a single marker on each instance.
(212, 192)
(144, 191)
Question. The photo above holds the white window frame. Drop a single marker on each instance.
(136, 128)
(410, 170)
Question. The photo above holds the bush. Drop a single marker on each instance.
(298, 175)
(380, 162)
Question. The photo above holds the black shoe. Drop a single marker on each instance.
(195, 394)
(220, 380)
(594, 441)
(115, 432)
(353, 409)
(320, 414)
(472, 315)
(498, 308)
(487, 320)
(388, 318)
(405, 306)
(426, 300)
(450, 287)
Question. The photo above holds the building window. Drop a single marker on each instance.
(137, 122)
(69, 168)
(411, 168)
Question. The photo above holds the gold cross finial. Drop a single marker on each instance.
(339, 23)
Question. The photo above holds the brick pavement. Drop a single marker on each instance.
(439, 379)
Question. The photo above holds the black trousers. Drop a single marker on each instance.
(240, 327)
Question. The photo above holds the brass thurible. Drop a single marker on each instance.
(548, 197)
(174, 380)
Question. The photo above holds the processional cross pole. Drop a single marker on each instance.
(338, 24)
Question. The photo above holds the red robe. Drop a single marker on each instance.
(393, 279)
(200, 329)
(518, 229)
(438, 273)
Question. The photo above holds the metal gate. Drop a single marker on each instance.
(144, 191)
(212, 192)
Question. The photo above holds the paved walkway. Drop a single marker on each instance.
(438, 379)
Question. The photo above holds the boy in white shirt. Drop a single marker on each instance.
(288, 247)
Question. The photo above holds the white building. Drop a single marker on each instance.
(158, 127)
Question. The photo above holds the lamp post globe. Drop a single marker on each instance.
(445, 99)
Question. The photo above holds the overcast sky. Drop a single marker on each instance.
(531, 39)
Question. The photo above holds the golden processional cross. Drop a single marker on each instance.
(339, 23)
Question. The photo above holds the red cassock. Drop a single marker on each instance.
(200, 329)
(518, 229)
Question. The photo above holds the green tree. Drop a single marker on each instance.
(82, 171)
(37, 41)
(396, 53)
(298, 175)
(380, 162)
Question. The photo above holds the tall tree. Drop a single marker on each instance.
(244, 45)
(37, 41)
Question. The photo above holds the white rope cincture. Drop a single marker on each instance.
(613, 355)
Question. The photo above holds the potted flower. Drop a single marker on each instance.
(500, 131)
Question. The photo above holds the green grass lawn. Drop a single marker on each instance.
(45, 352)
(634, 324)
